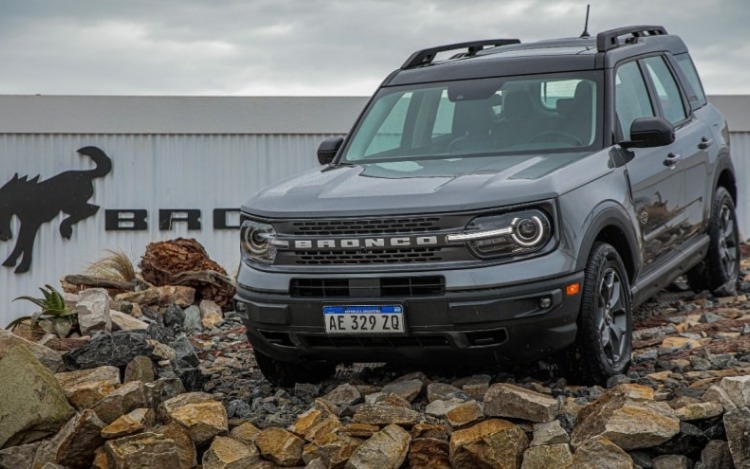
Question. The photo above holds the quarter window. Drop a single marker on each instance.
(699, 97)
(666, 89)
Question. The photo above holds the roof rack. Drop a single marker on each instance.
(608, 40)
(426, 56)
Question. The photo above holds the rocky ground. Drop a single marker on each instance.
(157, 381)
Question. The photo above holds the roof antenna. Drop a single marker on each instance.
(585, 32)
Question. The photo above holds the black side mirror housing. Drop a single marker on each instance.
(328, 148)
(647, 132)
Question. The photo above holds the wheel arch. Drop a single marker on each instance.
(611, 225)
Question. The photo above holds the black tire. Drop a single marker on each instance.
(286, 374)
(719, 271)
(605, 322)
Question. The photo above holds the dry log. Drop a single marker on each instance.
(90, 281)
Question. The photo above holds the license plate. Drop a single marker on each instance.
(364, 319)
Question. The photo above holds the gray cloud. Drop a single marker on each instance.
(312, 47)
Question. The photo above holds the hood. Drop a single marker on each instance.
(428, 186)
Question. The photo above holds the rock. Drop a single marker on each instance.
(386, 449)
(343, 395)
(84, 388)
(492, 443)
(408, 389)
(716, 393)
(317, 463)
(185, 350)
(211, 314)
(444, 392)
(280, 446)
(18, 457)
(46, 356)
(600, 453)
(716, 455)
(464, 414)
(183, 442)
(192, 322)
(688, 442)
(33, 403)
(335, 449)
(550, 433)
(474, 386)
(116, 349)
(630, 424)
(128, 397)
(165, 295)
(203, 417)
(192, 378)
(308, 423)
(133, 422)
(672, 461)
(161, 351)
(163, 389)
(441, 408)
(93, 311)
(382, 398)
(245, 433)
(737, 388)
(226, 453)
(631, 391)
(507, 400)
(548, 456)
(126, 322)
(141, 368)
(429, 453)
(737, 425)
(699, 411)
(145, 450)
(385, 414)
(74, 444)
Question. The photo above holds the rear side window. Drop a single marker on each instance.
(696, 97)
(631, 96)
(666, 89)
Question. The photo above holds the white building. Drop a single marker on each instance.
(180, 167)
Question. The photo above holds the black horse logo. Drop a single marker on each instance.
(36, 203)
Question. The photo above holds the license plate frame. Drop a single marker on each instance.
(364, 320)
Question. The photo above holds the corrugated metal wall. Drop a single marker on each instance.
(740, 146)
(149, 172)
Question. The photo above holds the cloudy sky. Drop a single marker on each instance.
(314, 47)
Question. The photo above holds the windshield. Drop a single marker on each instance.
(489, 116)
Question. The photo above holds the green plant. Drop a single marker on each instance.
(53, 308)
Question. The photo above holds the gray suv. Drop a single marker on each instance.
(496, 201)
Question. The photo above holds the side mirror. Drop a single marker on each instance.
(646, 132)
(328, 149)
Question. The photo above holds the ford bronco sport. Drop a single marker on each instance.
(509, 201)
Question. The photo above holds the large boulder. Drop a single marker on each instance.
(116, 349)
(46, 356)
(33, 404)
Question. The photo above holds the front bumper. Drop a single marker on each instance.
(508, 322)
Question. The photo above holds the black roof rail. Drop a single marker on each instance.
(426, 56)
(608, 40)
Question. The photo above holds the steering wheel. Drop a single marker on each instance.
(549, 136)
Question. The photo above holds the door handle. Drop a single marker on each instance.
(671, 160)
(705, 143)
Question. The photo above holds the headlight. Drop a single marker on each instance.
(508, 234)
(258, 241)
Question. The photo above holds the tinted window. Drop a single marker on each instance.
(631, 96)
(666, 89)
(698, 97)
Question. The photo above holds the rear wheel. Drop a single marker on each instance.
(286, 374)
(605, 323)
(719, 271)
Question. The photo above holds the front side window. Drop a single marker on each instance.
(631, 96)
(491, 116)
(666, 89)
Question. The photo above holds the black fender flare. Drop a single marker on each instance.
(611, 214)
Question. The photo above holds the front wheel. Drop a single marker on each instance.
(719, 271)
(286, 374)
(605, 322)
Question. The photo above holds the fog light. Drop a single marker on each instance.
(545, 302)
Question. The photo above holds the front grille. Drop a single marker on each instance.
(365, 226)
(391, 287)
(377, 342)
(381, 256)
